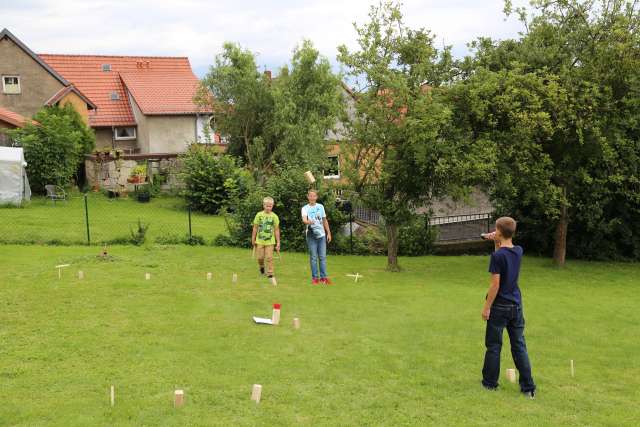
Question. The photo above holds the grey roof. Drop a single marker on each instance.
(6, 33)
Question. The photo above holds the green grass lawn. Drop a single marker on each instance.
(394, 349)
(42, 221)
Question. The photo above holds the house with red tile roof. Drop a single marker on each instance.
(28, 84)
(137, 104)
(145, 103)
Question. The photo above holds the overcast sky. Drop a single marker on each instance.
(197, 28)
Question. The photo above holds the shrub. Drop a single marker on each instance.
(53, 148)
(212, 181)
(289, 190)
(417, 237)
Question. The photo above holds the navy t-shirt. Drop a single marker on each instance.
(506, 263)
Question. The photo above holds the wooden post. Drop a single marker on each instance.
(573, 372)
(273, 281)
(112, 395)
(256, 393)
(234, 278)
(178, 398)
(80, 275)
(511, 375)
(296, 323)
(275, 317)
(209, 276)
(147, 276)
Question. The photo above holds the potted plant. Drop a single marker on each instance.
(143, 194)
(138, 174)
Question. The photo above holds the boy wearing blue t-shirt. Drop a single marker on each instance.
(503, 309)
(318, 235)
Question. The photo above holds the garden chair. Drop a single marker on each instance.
(55, 193)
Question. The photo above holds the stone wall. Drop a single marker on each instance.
(109, 173)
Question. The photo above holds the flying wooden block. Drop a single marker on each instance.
(256, 393)
(296, 323)
(273, 281)
(573, 372)
(178, 398)
(309, 177)
(275, 317)
(209, 276)
(112, 395)
(80, 275)
(234, 278)
(511, 375)
(60, 267)
(147, 276)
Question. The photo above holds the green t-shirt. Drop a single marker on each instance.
(267, 223)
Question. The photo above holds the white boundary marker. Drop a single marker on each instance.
(573, 371)
(60, 267)
(112, 395)
(356, 276)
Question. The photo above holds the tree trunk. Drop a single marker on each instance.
(560, 242)
(392, 247)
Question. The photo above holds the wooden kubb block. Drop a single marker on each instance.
(178, 398)
(256, 393)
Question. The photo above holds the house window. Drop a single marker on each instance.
(332, 171)
(124, 133)
(11, 85)
(106, 67)
(115, 96)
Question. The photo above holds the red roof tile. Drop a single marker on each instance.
(163, 93)
(12, 118)
(85, 72)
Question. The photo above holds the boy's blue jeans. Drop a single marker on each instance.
(506, 316)
(317, 255)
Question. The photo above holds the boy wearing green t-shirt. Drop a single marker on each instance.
(266, 235)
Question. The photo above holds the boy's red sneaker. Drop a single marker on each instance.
(315, 281)
(326, 281)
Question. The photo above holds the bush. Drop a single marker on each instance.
(289, 190)
(194, 240)
(417, 237)
(212, 181)
(54, 147)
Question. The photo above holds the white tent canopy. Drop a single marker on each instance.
(14, 185)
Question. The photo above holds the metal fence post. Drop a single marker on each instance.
(86, 218)
(189, 210)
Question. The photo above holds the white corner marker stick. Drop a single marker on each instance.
(296, 323)
(147, 276)
(80, 275)
(112, 395)
(256, 393)
(573, 372)
(60, 267)
(234, 278)
(179, 398)
(209, 276)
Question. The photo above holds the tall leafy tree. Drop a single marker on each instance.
(404, 147)
(281, 121)
(562, 104)
(54, 145)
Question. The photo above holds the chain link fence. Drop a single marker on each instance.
(97, 219)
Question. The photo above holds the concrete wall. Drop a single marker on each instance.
(170, 134)
(37, 84)
(78, 104)
(142, 132)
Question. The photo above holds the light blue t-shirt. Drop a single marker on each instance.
(315, 213)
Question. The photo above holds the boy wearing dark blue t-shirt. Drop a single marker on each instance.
(503, 309)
